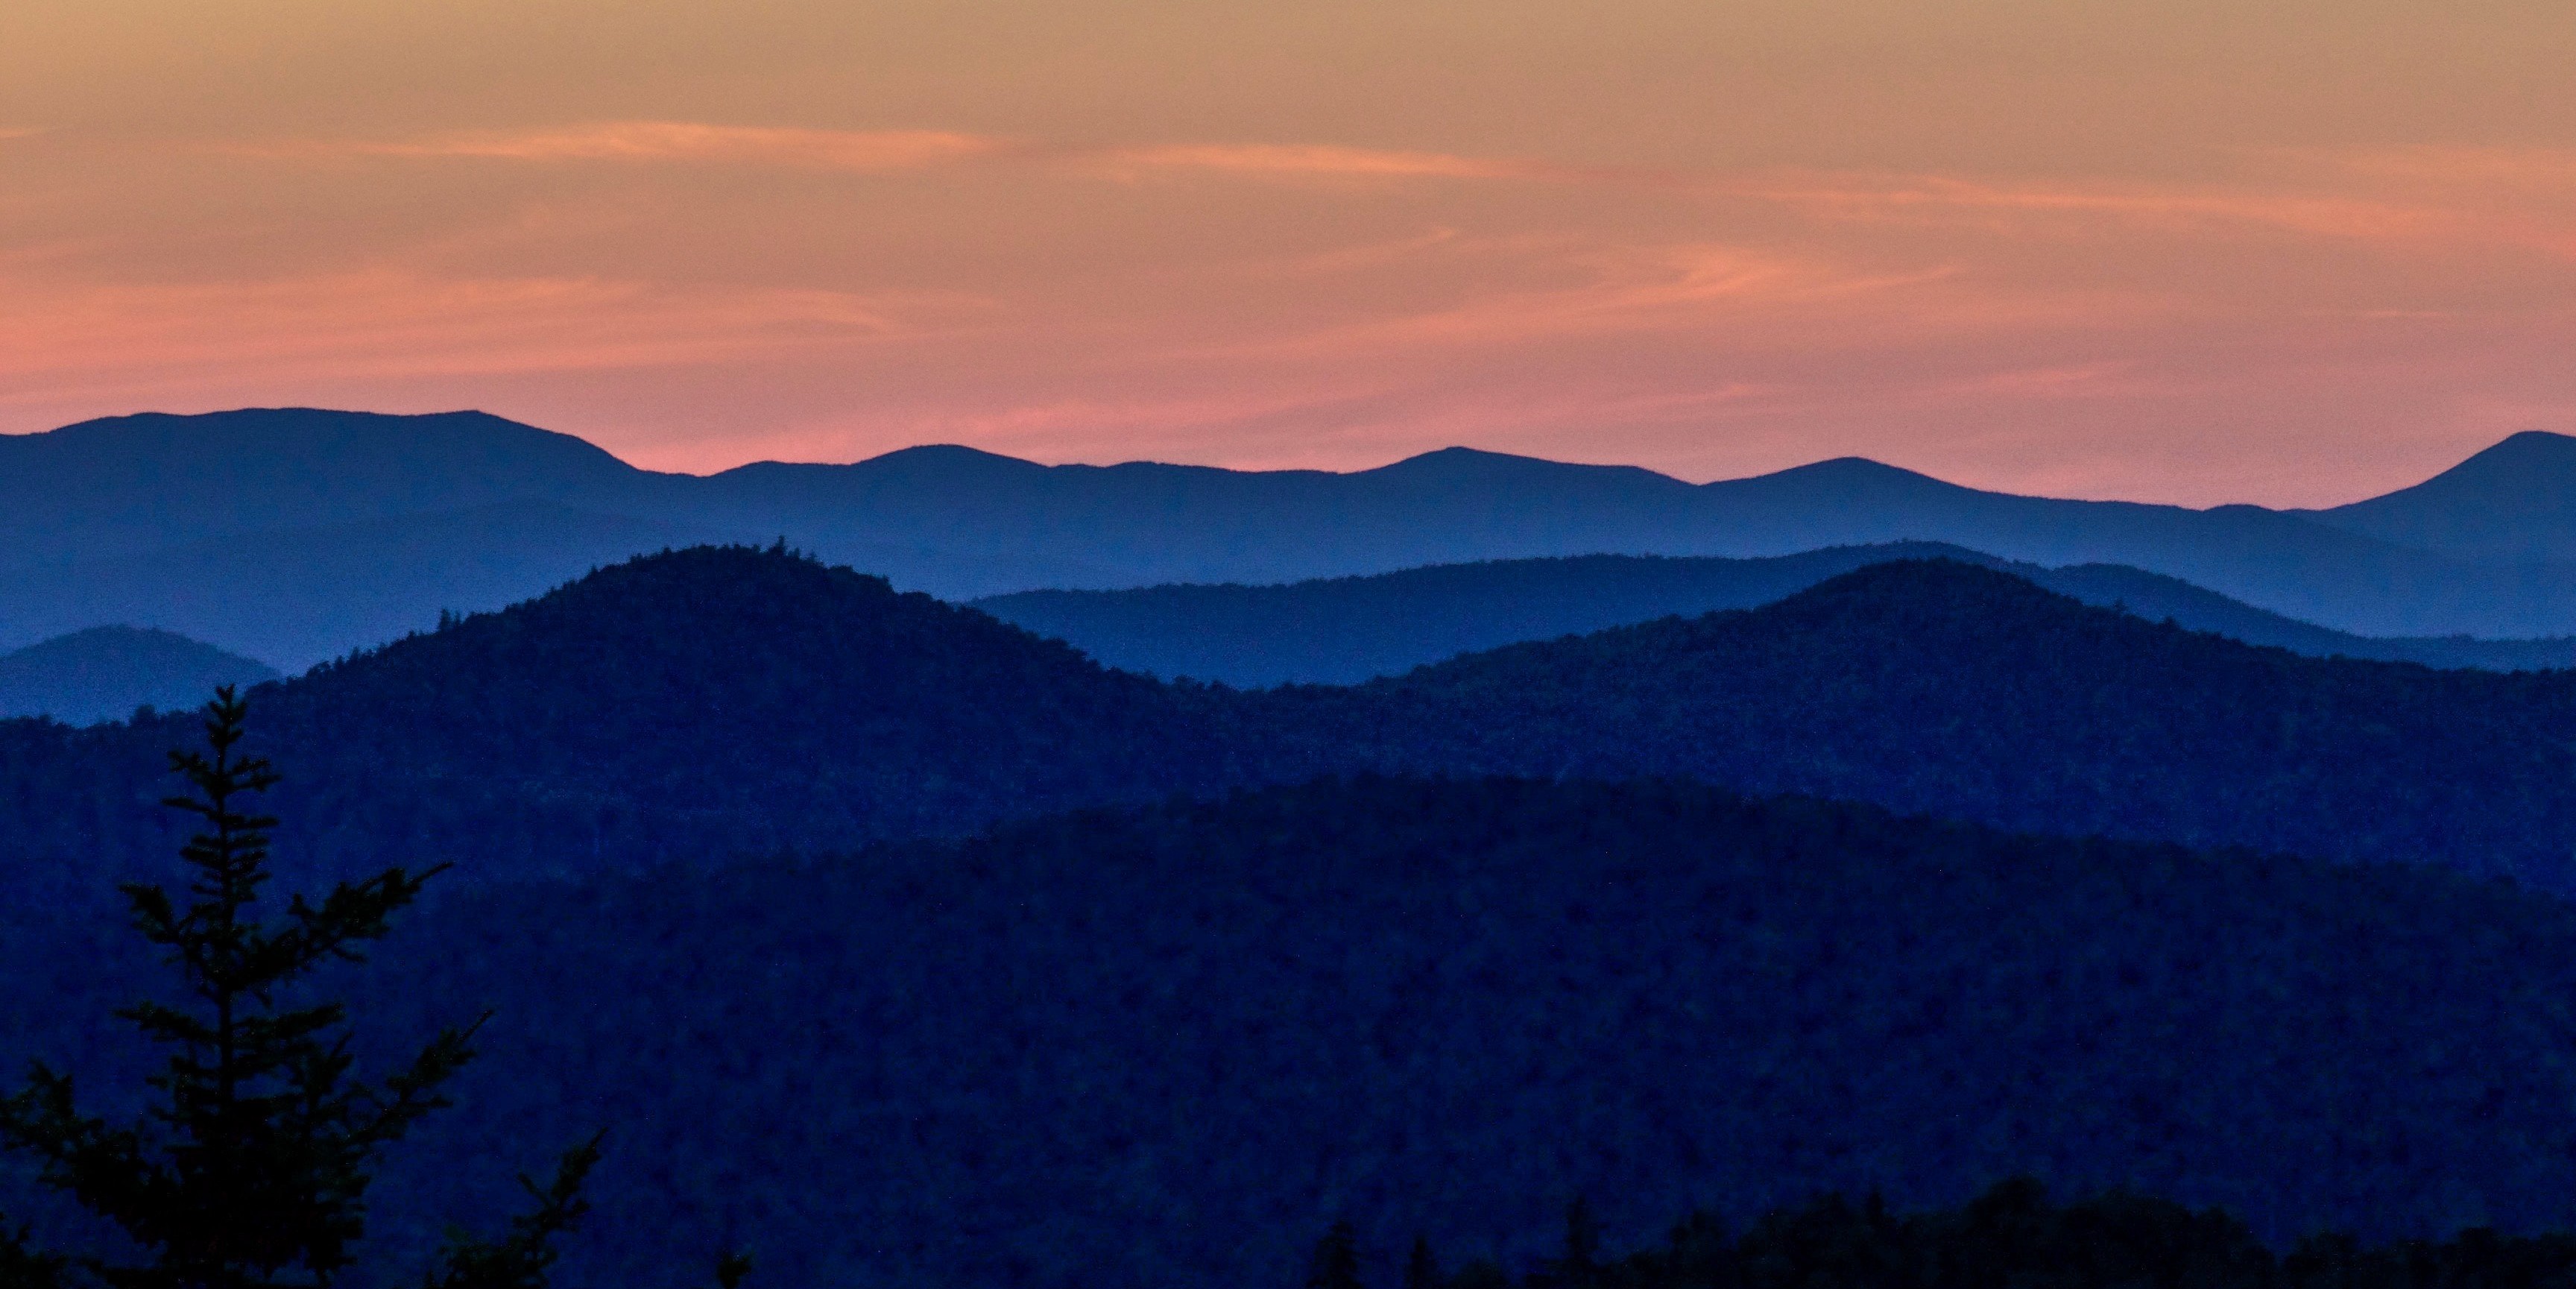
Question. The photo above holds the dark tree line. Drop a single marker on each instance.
(2011, 1237)
(1149, 1045)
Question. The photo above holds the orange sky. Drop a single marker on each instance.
(2291, 253)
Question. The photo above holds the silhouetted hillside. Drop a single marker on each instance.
(104, 673)
(1968, 693)
(715, 702)
(2516, 500)
(125, 485)
(2156, 597)
(1346, 630)
(705, 702)
(306, 595)
(107, 517)
(1168, 1046)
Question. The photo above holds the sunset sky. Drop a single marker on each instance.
(2178, 250)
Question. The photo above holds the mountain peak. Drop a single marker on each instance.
(1855, 468)
(2505, 463)
(266, 425)
(1480, 466)
(922, 717)
(124, 484)
(2515, 498)
(103, 673)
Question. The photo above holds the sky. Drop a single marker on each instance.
(2290, 253)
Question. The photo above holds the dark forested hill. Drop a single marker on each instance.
(719, 701)
(1167, 1046)
(1340, 631)
(104, 673)
(1969, 693)
(703, 702)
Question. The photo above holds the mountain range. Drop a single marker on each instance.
(1344, 630)
(347, 528)
(904, 943)
(104, 673)
(712, 702)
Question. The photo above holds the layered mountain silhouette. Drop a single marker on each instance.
(1346, 630)
(1964, 692)
(304, 595)
(1169, 1046)
(408, 516)
(2516, 500)
(105, 673)
(710, 702)
(697, 703)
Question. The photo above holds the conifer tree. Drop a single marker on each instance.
(251, 1169)
(1336, 1264)
(1422, 1270)
(1581, 1264)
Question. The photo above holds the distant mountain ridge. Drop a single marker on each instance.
(105, 673)
(1346, 630)
(705, 703)
(128, 485)
(99, 518)
(2515, 500)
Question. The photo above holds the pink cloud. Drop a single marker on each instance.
(1323, 160)
(1935, 194)
(1628, 289)
(2518, 167)
(2422, 197)
(650, 141)
(891, 150)
(386, 323)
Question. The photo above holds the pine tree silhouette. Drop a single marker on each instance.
(251, 1171)
(1581, 1265)
(1336, 1264)
(1422, 1270)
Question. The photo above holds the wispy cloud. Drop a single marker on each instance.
(2434, 199)
(2385, 196)
(382, 323)
(8, 132)
(1629, 288)
(1323, 161)
(688, 142)
(2078, 380)
(1934, 196)
(682, 141)
(2521, 167)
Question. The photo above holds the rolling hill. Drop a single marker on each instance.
(104, 673)
(128, 485)
(2513, 501)
(712, 702)
(693, 704)
(1169, 1045)
(304, 596)
(1965, 692)
(105, 517)
(1345, 630)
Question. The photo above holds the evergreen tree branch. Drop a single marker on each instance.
(24, 1268)
(520, 1259)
